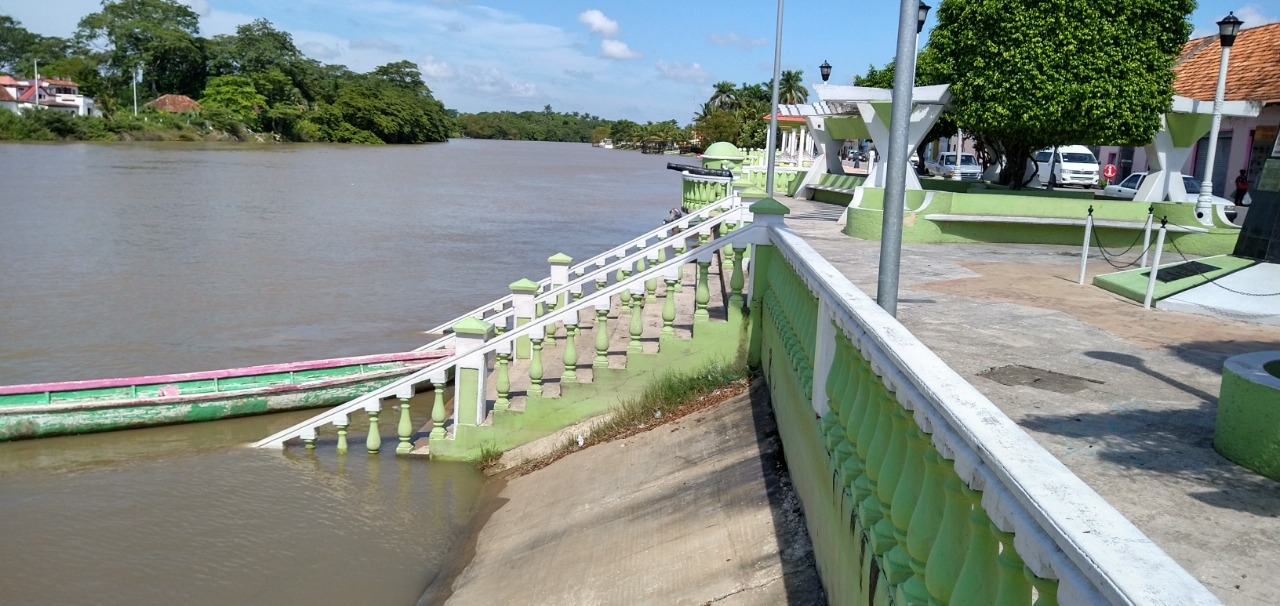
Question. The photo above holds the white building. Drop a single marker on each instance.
(43, 92)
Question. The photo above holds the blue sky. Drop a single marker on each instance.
(639, 60)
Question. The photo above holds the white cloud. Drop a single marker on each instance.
(1253, 15)
(492, 82)
(323, 52)
(598, 23)
(682, 73)
(736, 40)
(376, 44)
(617, 49)
(432, 69)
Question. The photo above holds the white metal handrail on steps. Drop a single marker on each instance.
(403, 387)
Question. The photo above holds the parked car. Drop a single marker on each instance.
(1075, 165)
(945, 166)
(1128, 189)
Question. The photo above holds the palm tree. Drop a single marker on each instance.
(725, 95)
(791, 89)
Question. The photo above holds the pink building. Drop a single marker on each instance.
(1253, 74)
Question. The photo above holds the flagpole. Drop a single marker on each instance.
(773, 115)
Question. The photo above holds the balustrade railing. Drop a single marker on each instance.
(918, 489)
(522, 324)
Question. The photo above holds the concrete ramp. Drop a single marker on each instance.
(1251, 294)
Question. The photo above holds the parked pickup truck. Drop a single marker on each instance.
(945, 166)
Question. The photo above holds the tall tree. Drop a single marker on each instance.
(159, 35)
(1027, 74)
(725, 95)
(791, 88)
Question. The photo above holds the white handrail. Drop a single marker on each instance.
(1063, 528)
(502, 342)
(503, 304)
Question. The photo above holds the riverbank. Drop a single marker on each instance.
(699, 510)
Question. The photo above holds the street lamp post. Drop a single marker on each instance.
(910, 13)
(1227, 30)
(773, 104)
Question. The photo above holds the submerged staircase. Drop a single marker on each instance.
(668, 299)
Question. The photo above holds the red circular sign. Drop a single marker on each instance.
(1109, 171)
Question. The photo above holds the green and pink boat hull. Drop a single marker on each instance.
(74, 407)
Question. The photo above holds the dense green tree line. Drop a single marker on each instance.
(255, 80)
(549, 125)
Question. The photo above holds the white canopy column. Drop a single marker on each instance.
(873, 105)
(1180, 129)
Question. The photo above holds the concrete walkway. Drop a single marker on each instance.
(1131, 407)
(693, 512)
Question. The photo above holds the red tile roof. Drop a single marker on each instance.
(7, 80)
(174, 103)
(1253, 69)
(5, 96)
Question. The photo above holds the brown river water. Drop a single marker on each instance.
(126, 259)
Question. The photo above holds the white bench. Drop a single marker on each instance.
(1078, 222)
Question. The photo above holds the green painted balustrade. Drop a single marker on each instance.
(907, 474)
(698, 192)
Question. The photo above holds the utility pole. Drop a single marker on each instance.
(137, 77)
(36, 82)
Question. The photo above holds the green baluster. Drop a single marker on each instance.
(503, 382)
(852, 466)
(669, 309)
(1013, 590)
(905, 501)
(869, 509)
(374, 441)
(404, 429)
(832, 424)
(309, 438)
(736, 282)
(341, 424)
(570, 353)
(923, 528)
(437, 410)
(535, 369)
(625, 295)
(890, 476)
(702, 296)
(602, 337)
(980, 575)
(947, 556)
(651, 289)
(549, 333)
(1046, 590)
(637, 324)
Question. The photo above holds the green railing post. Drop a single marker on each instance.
(341, 424)
(535, 369)
(374, 441)
(738, 280)
(637, 319)
(1012, 588)
(947, 558)
(975, 584)
(602, 333)
(404, 430)
(437, 410)
(502, 382)
(669, 308)
(523, 293)
(570, 350)
(702, 294)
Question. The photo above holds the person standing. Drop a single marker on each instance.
(1242, 187)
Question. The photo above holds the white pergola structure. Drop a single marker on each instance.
(873, 106)
(1180, 129)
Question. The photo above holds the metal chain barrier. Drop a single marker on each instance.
(1210, 281)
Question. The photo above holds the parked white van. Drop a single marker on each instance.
(1075, 165)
